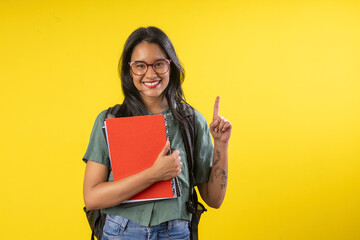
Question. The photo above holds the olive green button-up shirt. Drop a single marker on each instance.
(154, 213)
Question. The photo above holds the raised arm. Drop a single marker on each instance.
(98, 193)
(213, 191)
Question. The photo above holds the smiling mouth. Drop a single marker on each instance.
(151, 84)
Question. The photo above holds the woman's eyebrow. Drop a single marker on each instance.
(157, 59)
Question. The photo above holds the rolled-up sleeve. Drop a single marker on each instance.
(204, 150)
(97, 149)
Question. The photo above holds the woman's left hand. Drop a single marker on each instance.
(220, 128)
(213, 191)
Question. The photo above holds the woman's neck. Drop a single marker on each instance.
(156, 105)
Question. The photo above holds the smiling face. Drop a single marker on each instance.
(151, 85)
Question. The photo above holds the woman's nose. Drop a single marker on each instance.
(150, 73)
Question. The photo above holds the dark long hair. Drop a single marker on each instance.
(133, 104)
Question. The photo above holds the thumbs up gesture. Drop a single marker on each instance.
(220, 128)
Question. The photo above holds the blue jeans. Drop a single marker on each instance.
(117, 227)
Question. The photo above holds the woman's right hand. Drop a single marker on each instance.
(166, 166)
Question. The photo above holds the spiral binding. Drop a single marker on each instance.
(175, 183)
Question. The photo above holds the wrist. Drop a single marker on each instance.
(151, 176)
(221, 144)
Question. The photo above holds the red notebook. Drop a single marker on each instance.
(134, 144)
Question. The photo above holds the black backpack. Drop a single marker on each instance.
(188, 131)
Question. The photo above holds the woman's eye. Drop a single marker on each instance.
(140, 65)
(159, 64)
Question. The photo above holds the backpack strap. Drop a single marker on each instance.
(112, 111)
(188, 132)
(95, 217)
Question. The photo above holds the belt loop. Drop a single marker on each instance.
(123, 222)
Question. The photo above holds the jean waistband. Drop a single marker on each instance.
(124, 221)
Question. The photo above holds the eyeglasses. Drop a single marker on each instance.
(160, 66)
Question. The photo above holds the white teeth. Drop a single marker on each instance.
(151, 84)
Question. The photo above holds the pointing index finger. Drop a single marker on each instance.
(216, 108)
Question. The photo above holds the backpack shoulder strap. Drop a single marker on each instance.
(96, 218)
(112, 111)
(188, 132)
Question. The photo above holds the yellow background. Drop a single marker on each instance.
(288, 75)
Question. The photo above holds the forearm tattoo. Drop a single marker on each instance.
(222, 175)
(217, 158)
(219, 173)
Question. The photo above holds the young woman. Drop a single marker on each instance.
(151, 77)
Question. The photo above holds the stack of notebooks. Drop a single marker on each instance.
(134, 144)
